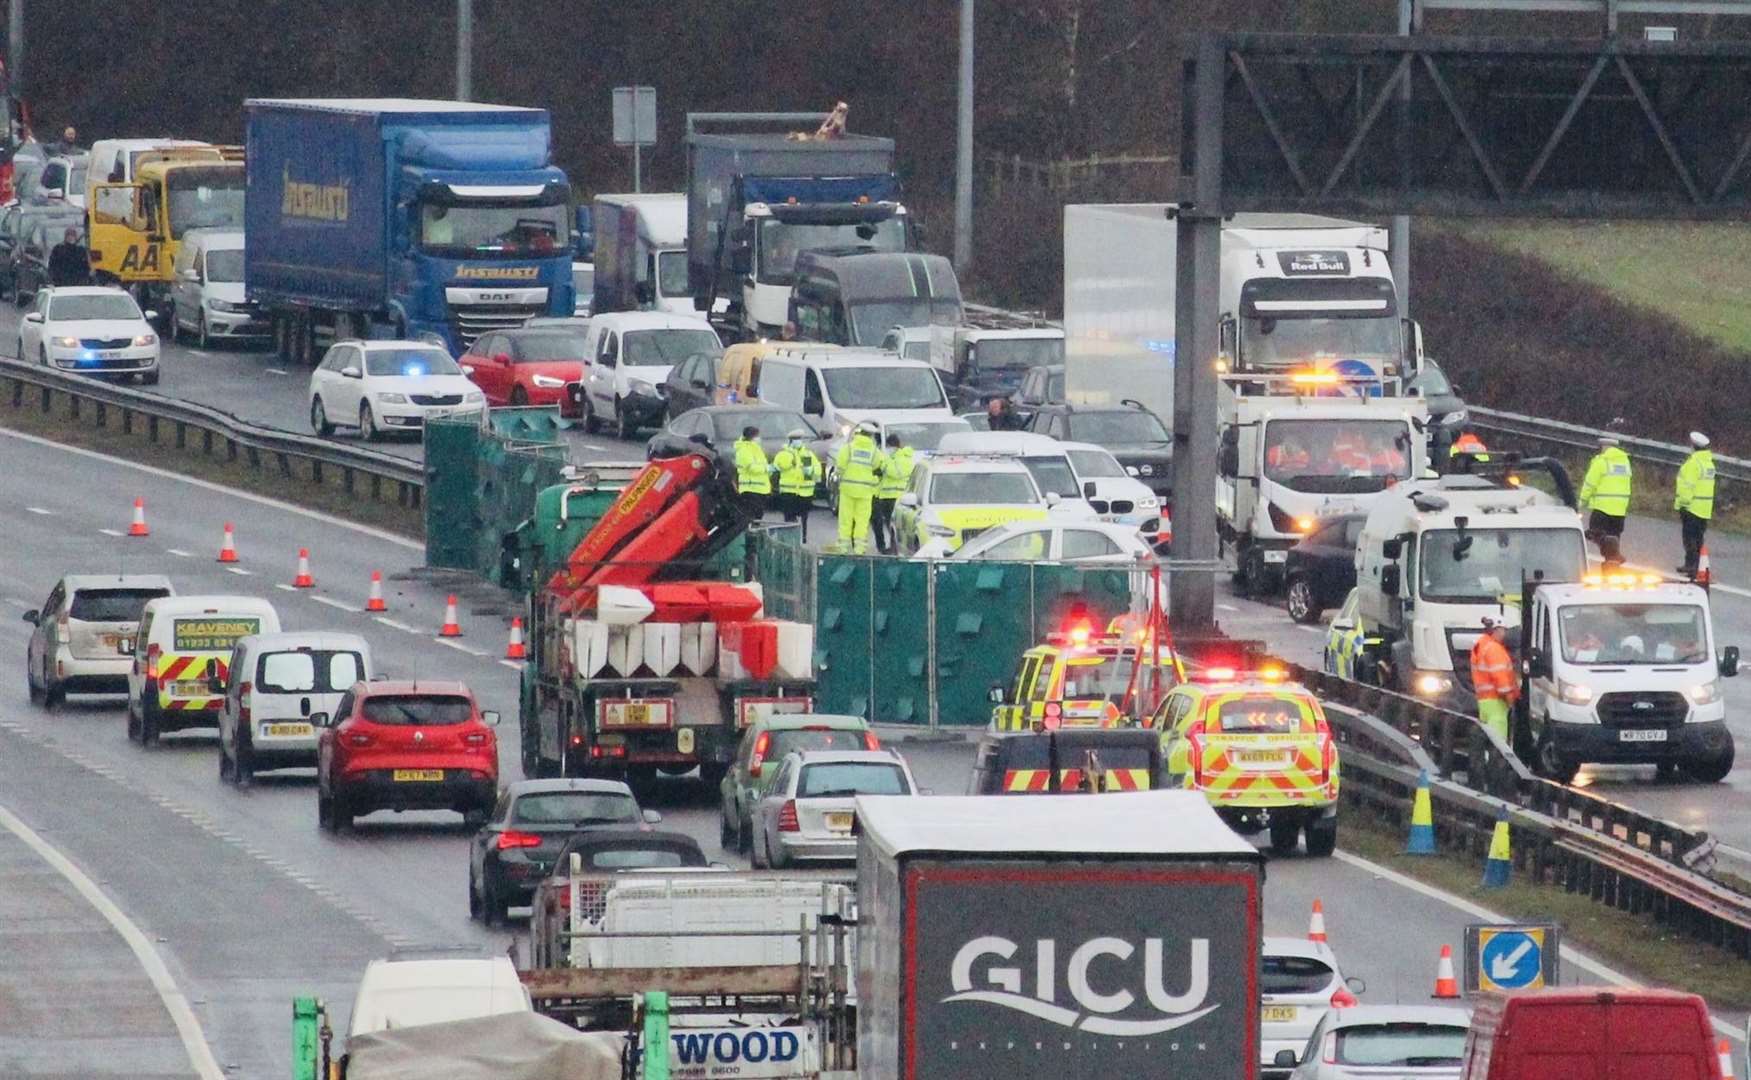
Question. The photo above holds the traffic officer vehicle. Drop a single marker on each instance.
(1076, 678)
(183, 645)
(1066, 760)
(954, 498)
(81, 638)
(1348, 644)
(1260, 750)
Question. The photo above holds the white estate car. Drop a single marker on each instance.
(95, 330)
(385, 386)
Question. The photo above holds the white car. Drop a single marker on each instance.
(1042, 541)
(1373, 1042)
(95, 330)
(1299, 984)
(385, 386)
(806, 810)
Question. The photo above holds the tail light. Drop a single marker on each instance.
(359, 738)
(1054, 714)
(761, 745)
(153, 652)
(476, 738)
(1328, 756)
(243, 693)
(787, 817)
(607, 751)
(1328, 1050)
(1342, 999)
(63, 630)
(511, 838)
(870, 742)
(1195, 759)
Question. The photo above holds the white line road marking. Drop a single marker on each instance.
(514, 665)
(40, 510)
(178, 554)
(22, 605)
(274, 371)
(334, 603)
(283, 585)
(1310, 629)
(194, 1041)
(1227, 607)
(110, 532)
(239, 571)
(393, 625)
(452, 643)
(208, 485)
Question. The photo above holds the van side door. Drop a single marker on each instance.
(603, 378)
(1539, 688)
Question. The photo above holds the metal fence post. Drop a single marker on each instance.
(930, 573)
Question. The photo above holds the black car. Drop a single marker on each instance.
(1022, 762)
(1320, 570)
(30, 261)
(1041, 386)
(613, 850)
(723, 424)
(38, 224)
(690, 384)
(1132, 433)
(521, 843)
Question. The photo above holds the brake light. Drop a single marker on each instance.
(1328, 754)
(1343, 999)
(787, 817)
(243, 692)
(153, 652)
(762, 744)
(870, 742)
(63, 630)
(1054, 714)
(475, 738)
(1195, 758)
(511, 838)
(1328, 1050)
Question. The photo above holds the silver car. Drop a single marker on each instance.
(84, 634)
(1404, 1042)
(1298, 985)
(806, 809)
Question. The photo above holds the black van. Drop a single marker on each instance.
(1068, 760)
(855, 296)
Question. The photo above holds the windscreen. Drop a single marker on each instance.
(575, 808)
(780, 244)
(672, 273)
(205, 199)
(643, 859)
(536, 348)
(884, 388)
(1116, 428)
(1330, 456)
(1404, 1046)
(1484, 565)
(1095, 464)
(1100, 677)
(1016, 354)
(1634, 634)
(843, 779)
(982, 489)
(410, 363)
(313, 671)
(225, 266)
(785, 741)
(924, 437)
(92, 306)
(1054, 476)
(111, 605)
(772, 424)
(872, 319)
(481, 228)
(1294, 975)
(666, 348)
(1258, 714)
(1317, 342)
(416, 710)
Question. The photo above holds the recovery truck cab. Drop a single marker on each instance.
(979, 364)
(1623, 669)
(135, 227)
(1295, 456)
(1438, 555)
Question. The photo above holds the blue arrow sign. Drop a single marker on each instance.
(1510, 959)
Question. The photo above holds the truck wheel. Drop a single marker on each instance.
(1301, 601)
(1710, 770)
(1285, 836)
(1322, 837)
(1552, 762)
(591, 424)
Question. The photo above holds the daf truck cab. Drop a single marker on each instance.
(1288, 462)
(1436, 556)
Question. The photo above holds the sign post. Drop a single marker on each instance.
(635, 124)
(1512, 956)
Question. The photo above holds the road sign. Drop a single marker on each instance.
(635, 115)
(1512, 956)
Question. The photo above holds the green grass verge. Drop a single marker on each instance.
(1698, 273)
(330, 496)
(1636, 945)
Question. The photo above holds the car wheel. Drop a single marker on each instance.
(627, 426)
(367, 423)
(36, 698)
(1300, 600)
(519, 397)
(757, 852)
(745, 838)
(728, 836)
(205, 338)
(227, 771)
(1551, 761)
(1710, 770)
(54, 695)
(473, 894)
(476, 817)
(591, 424)
(776, 858)
(494, 910)
(133, 724)
(243, 766)
(148, 723)
(319, 418)
(1285, 835)
(149, 378)
(1322, 837)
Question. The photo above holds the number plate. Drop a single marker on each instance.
(839, 822)
(189, 688)
(109, 354)
(415, 775)
(1262, 757)
(113, 641)
(1642, 735)
(1278, 1014)
(1276, 556)
(286, 729)
(635, 714)
(437, 414)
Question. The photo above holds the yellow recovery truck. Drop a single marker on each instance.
(135, 227)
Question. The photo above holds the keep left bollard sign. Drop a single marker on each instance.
(1511, 956)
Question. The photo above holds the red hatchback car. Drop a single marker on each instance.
(406, 746)
(531, 366)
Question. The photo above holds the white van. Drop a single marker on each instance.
(184, 643)
(838, 387)
(114, 161)
(407, 990)
(1073, 470)
(206, 289)
(630, 354)
(277, 683)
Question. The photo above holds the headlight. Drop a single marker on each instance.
(392, 399)
(146, 339)
(1574, 693)
(547, 382)
(65, 343)
(1432, 683)
(225, 306)
(1151, 503)
(1131, 470)
(474, 398)
(1706, 694)
(639, 386)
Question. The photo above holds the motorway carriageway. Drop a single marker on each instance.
(250, 384)
(244, 900)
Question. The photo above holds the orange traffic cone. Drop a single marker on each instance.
(451, 627)
(514, 651)
(1725, 1049)
(303, 580)
(1446, 986)
(138, 528)
(1316, 925)
(228, 549)
(1702, 570)
(375, 603)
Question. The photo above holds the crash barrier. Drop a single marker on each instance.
(280, 457)
(1562, 836)
(484, 483)
(1556, 433)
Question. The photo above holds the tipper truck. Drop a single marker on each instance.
(1060, 936)
(758, 195)
(401, 218)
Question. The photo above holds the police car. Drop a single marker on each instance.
(1344, 643)
(1260, 750)
(954, 498)
(1077, 678)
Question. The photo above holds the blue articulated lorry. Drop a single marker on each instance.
(397, 218)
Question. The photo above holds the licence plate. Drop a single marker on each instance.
(109, 355)
(111, 641)
(292, 729)
(635, 714)
(189, 688)
(437, 414)
(1278, 1014)
(1644, 735)
(1261, 757)
(1276, 556)
(413, 775)
(839, 822)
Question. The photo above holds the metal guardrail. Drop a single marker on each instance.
(1564, 836)
(387, 478)
(1560, 433)
(986, 317)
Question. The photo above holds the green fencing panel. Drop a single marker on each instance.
(983, 618)
(899, 628)
(528, 424)
(785, 571)
(843, 634)
(451, 526)
(1057, 588)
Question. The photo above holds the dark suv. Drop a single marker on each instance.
(1132, 433)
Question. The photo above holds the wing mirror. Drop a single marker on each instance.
(34, 317)
(320, 719)
(1285, 1059)
(652, 817)
(996, 696)
(1089, 489)
(33, 616)
(502, 358)
(1730, 661)
(352, 372)
(490, 718)
(151, 315)
(1537, 664)
(1391, 549)
(909, 499)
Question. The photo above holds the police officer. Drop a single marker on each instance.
(860, 462)
(1492, 677)
(753, 474)
(895, 477)
(1695, 499)
(1605, 494)
(798, 468)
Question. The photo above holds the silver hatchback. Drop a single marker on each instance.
(807, 809)
(83, 635)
